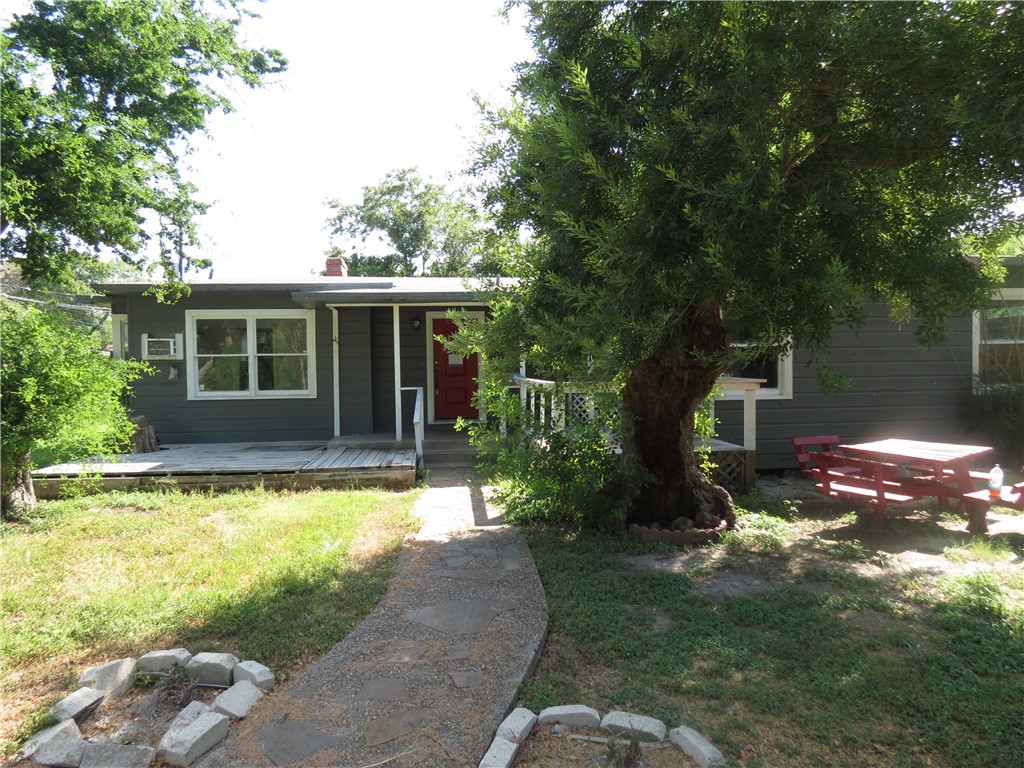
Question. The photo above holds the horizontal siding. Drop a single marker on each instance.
(356, 392)
(898, 390)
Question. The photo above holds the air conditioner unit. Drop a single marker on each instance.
(161, 346)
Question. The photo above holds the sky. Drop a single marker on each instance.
(370, 87)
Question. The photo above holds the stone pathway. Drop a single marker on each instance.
(429, 675)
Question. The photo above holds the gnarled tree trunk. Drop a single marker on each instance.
(661, 398)
(18, 491)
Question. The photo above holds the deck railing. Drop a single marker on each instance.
(417, 420)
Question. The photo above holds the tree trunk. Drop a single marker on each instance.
(18, 492)
(661, 398)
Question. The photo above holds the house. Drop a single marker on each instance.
(295, 361)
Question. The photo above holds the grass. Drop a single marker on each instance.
(275, 577)
(842, 659)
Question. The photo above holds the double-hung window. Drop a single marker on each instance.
(776, 371)
(237, 354)
(999, 340)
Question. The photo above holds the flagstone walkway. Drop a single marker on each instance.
(429, 675)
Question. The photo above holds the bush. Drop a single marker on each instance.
(996, 414)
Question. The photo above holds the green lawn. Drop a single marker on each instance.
(800, 641)
(275, 577)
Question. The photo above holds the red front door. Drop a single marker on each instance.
(454, 377)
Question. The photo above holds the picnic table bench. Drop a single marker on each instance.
(874, 482)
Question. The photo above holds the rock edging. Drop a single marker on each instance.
(521, 722)
(192, 733)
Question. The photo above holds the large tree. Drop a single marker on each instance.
(694, 172)
(407, 226)
(99, 100)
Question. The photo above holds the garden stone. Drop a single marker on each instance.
(500, 755)
(571, 714)
(212, 668)
(78, 705)
(64, 730)
(699, 749)
(628, 724)
(113, 678)
(60, 753)
(255, 673)
(161, 661)
(517, 726)
(116, 756)
(185, 745)
(237, 699)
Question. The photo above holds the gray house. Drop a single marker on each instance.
(310, 361)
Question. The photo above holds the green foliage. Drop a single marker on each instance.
(58, 390)
(425, 230)
(995, 414)
(100, 99)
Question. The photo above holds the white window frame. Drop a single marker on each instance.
(1004, 295)
(784, 391)
(250, 316)
(119, 337)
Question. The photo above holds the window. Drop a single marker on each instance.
(999, 340)
(777, 373)
(250, 354)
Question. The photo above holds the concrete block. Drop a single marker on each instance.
(629, 725)
(182, 720)
(113, 678)
(60, 753)
(78, 705)
(116, 756)
(571, 714)
(500, 755)
(161, 661)
(237, 699)
(517, 726)
(67, 729)
(697, 748)
(212, 668)
(255, 673)
(185, 745)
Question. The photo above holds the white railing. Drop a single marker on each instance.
(417, 420)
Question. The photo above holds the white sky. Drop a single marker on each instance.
(370, 87)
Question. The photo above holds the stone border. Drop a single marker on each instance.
(653, 535)
(192, 733)
(517, 727)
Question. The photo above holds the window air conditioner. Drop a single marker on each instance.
(161, 346)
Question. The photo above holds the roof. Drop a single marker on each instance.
(338, 290)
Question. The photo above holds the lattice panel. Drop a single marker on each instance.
(729, 472)
(579, 407)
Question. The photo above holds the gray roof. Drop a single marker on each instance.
(339, 290)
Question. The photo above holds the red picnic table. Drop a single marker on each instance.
(942, 468)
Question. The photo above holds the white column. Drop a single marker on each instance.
(750, 418)
(336, 372)
(398, 375)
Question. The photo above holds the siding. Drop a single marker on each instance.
(177, 419)
(899, 390)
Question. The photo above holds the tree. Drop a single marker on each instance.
(696, 171)
(56, 387)
(424, 229)
(99, 100)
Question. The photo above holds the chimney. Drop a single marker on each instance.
(336, 267)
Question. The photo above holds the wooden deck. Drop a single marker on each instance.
(237, 465)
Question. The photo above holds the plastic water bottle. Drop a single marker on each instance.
(995, 482)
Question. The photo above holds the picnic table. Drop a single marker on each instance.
(933, 469)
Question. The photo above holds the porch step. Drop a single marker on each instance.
(451, 449)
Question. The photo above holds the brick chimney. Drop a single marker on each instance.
(336, 267)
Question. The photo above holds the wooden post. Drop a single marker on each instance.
(398, 374)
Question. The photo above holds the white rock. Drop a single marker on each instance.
(237, 699)
(60, 753)
(255, 673)
(212, 668)
(500, 755)
(185, 745)
(78, 705)
(517, 726)
(113, 678)
(67, 729)
(571, 714)
(628, 724)
(182, 720)
(161, 661)
(699, 749)
(116, 756)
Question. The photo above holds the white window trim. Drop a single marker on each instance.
(119, 336)
(782, 392)
(250, 316)
(1004, 295)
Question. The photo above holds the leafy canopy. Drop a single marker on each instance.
(100, 99)
(772, 164)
